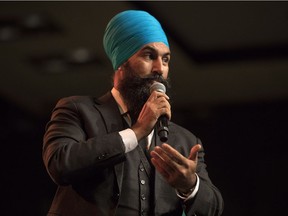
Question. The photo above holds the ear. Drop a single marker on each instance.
(118, 76)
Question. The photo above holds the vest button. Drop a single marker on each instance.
(141, 169)
(142, 182)
(143, 197)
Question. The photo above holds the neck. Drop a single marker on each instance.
(119, 99)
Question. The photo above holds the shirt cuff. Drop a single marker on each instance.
(129, 139)
(194, 192)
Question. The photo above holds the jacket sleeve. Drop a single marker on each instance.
(208, 201)
(69, 150)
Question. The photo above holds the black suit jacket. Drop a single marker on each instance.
(84, 153)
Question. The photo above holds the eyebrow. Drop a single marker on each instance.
(154, 50)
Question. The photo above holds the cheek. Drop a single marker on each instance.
(165, 73)
(143, 69)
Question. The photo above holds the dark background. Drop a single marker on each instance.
(231, 90)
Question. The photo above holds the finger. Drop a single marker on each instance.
(154, 95)
(161, 94)
(158, 103)
(173, 153)
(194, 152)
(163, 103)
(157, 161)
(163, 108)
(164, 111)
(168, 161)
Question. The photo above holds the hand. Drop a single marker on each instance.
(156, 105)
(174, 167)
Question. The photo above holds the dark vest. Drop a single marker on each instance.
(137, 194)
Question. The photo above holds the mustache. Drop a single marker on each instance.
(155, 78)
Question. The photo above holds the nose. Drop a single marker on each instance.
(158, 66)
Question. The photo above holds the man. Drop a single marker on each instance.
(93, 146)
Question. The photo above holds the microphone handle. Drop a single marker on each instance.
(162, 128)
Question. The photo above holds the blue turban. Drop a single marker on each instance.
(128, 32)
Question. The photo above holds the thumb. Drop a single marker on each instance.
(194, 152)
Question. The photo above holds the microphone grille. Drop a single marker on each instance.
(157, 86)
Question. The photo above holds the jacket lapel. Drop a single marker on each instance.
(108, 108)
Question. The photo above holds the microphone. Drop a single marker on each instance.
(162, 123)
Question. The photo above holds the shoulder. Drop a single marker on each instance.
(176, 128)
(183, 140)
(74, 104)
(77, 99)
(179, 132)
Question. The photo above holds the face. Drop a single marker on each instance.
(152, 59)
(135, 77)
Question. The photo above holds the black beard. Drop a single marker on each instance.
(136, 90)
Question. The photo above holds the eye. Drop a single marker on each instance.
(148, 55)
(166, 59)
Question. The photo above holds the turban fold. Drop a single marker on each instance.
(127, 32)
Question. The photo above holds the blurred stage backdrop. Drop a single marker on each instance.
(229, 74)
